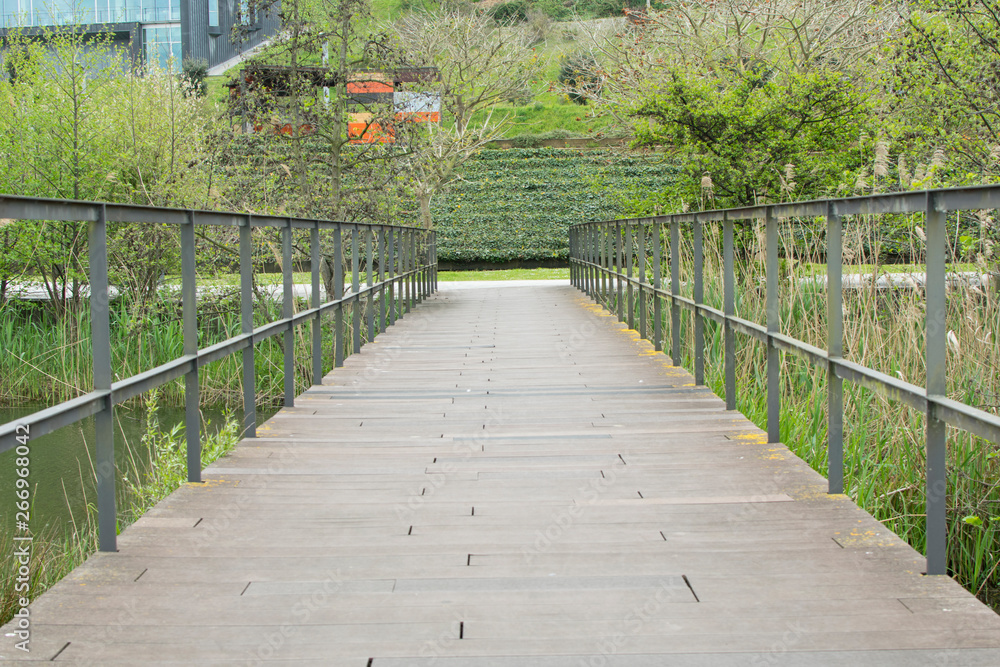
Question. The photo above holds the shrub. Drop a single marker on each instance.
(580, 74)
(510, 12)
(194, 71)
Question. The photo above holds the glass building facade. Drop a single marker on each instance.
(163, 46)
(156, 32)
(161, 30)
(29, 13)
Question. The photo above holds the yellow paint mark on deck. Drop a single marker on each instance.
(210, 483)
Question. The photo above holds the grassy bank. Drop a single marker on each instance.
(504, 274)
(884, 441)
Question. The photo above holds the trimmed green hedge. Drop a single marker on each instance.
(516, 205)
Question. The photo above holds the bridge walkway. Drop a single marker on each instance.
(509, 477)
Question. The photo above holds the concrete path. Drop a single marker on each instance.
(507, 478)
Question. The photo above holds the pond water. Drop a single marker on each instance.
(61, 471)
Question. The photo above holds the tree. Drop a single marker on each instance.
(943, 83)
(744, 89)
(744, 135)
(482, 64)
(83, 125)
(59, 129)
(329, 65)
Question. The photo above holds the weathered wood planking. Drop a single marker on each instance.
(509, 477)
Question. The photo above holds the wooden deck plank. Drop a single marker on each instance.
(507, 478)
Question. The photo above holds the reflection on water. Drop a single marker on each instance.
(62, 475)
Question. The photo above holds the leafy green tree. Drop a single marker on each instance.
(765, 99)
(743, 136)
(82, 125)
(943, 85)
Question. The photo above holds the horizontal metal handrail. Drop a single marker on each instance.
(601, 260)
(406, 261)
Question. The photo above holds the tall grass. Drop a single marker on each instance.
(884, 458)
(48, 360)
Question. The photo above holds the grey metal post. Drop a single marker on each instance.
(595, 256)
(773, 326)
(381, 279)
(630, 290)
(246, 327)
(699, 299)
(729, 308)
(189, 307)
(424, 258)
(404, 281)
(578, 257)
(641, 273)
(317, 323)
(657, 284)
(355, 284)
(425, 237)
(571, 269)
(338, 294)
(576, 252)
(619, 260)
(100, 341)
(599, 260)
(413, 268)
(575, 260)
(393, 259)
(675, 286)
(604, 241)
(287, 311)
(835, 345)
(369, 299)
(937, 385)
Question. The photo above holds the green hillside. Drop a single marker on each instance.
(516, 205)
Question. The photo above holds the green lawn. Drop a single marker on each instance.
(505, 274)
(233, 279)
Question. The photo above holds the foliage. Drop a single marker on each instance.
(749, 137)
(942, 88)
(507, 12)
(194, 71)
(579, 74)
(80, 127)
(165, 468)
(515, 205)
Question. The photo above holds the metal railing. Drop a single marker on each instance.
(603, 258)
(401, 267)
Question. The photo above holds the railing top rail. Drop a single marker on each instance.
(973, 197)
(71, 210)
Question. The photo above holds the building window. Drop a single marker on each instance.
(247, 17)
(213, 13)
(162, 46)
(30, 13)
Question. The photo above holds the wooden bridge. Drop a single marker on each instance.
(509, 476)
